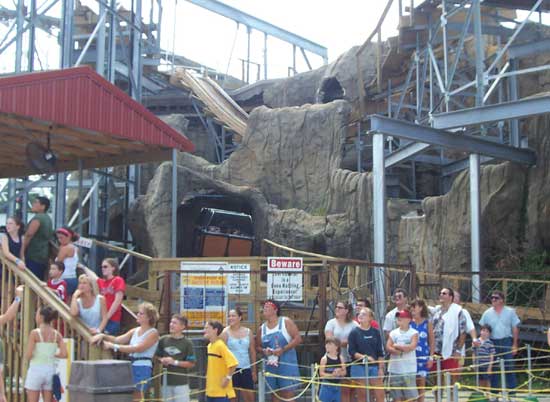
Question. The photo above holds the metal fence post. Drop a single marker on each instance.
(448, 386)
(529, 367)
(261, 383)
(438, 392)
(367, 391)
(503, 378)
(164, 381)
(313, 387)
(455, 392)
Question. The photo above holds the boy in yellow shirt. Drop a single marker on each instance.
(221, 365)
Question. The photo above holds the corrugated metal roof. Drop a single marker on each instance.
(79, 98)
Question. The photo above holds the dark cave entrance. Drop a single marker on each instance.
(189, 217)
(330, 90)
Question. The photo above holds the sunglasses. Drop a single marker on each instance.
(495, 297)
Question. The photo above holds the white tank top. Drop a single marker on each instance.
(280, 323)
(70, 265)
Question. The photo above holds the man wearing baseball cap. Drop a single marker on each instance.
(401, 345)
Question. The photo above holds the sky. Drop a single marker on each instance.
(215, 41)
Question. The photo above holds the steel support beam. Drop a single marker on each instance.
(379, 218)
(262, 26)
(67, 33)
(492, 113)
(404, 153)
(60, 192)
(475, 224)
(174, 205)
(529, 49)
(445, 139)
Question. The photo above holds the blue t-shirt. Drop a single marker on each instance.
(484, 351)
(501, 324)
(367, 342)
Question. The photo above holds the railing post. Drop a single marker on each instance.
(367, 391)
(503, 378)
(438, 392)
(448, 386)
(313, 386)
(455, 391)
(261, 382)
(529, 367)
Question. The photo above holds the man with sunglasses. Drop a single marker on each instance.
(504, 322)
(400, 298)
(449, 325)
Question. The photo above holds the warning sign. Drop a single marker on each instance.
(285, 280)
(238, 283)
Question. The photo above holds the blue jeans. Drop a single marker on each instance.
(358, 371)
(217, 399)
(112, 327)
(504, 345)
(72, 284)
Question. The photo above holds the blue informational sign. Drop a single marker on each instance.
(214, 297)
(193, 298)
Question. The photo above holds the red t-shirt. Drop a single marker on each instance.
(60, 288)
(108, 288)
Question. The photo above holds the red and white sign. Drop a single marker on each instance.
(285, 264)
(284, 279)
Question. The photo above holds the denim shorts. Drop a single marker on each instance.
(142, 373)
(358, 371)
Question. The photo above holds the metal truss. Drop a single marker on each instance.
(452, 84)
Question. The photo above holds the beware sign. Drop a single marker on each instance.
(285, 278)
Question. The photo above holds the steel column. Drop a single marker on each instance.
(67, 33)
(136, 52)
(32, 35)
(174, 204)
(11, 196)
(379, 218)
(60, 192)
(113, 23)
(475, 223)
(265, 56)
(20, 21)
(514, 123)
(100, 42)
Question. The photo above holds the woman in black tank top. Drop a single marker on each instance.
(12, 241)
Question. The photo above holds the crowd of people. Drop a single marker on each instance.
(413, 338)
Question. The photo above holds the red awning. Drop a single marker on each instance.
(85, 117)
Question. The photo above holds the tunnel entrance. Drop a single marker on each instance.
(214, 224)
(330, 90)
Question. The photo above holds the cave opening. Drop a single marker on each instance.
(190, 219)
(330, 90)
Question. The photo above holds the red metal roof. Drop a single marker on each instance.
(82, 99)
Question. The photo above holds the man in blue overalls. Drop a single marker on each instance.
(277, 339)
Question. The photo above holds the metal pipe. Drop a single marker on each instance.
(265, 56)
(20, 20)
(367, 393)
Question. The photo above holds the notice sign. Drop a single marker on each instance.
(203, 292)
(238, 283)
(285, 281)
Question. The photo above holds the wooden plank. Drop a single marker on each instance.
(134, 292)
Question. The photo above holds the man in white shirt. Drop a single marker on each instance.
(400, 298)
